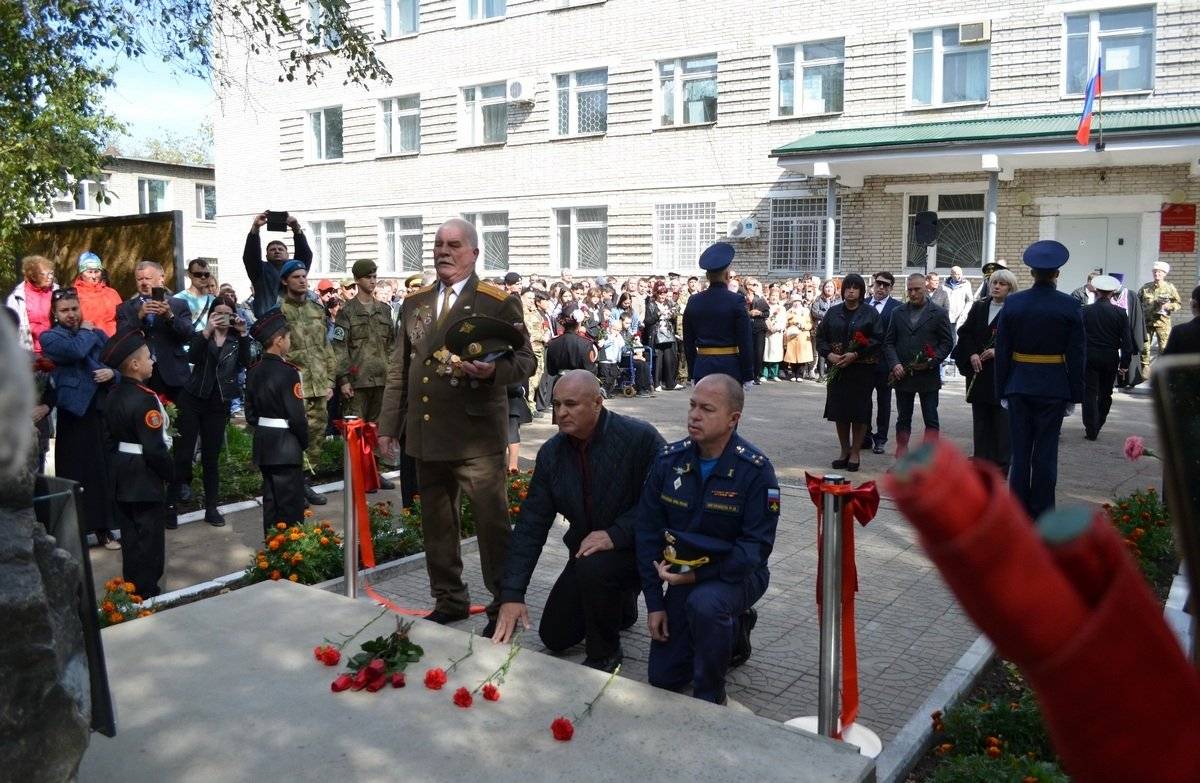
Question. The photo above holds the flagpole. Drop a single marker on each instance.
(1100, 104)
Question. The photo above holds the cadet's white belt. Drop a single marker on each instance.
(278, 424)
(129, 448)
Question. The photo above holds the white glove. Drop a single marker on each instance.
(1069, 410)
(1004, 404)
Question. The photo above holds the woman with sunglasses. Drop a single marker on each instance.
(80, 381)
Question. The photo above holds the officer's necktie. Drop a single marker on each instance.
(446, 293)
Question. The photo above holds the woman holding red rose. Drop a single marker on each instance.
(848, 340)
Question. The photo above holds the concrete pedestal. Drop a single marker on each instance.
(227, 689)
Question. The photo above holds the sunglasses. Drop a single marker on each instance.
(883, 283)
(201, 275)
(64, 293)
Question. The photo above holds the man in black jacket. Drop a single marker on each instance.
(1109, 348)
(1186, 338)
(592, 473)
(264, 275)
(918, 340)
(166, 325)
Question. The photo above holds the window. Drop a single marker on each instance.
(325, 134)
(484, 115)
(493, 238)
(798, 235)
(87, 195)
(582, 100)
(328, 246)
(206, 202)
(818, 69)
(474, 10)
(945, 72)
(687, 91)
(316, 17)
(1123, 37)
(400, 125)
(581, 238)
(682, 232)
(960, 231)
(400, 17)
(152, 195)
(402, 244)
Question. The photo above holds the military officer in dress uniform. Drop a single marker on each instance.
(1109, 351)
(363, 340)
(141, 467)
(1159, 299)
(312, 354)
(453, 413)
(706, 526)
(275, 409)
(716, 324)
(1040, 358)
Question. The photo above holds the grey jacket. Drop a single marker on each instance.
(905, 341)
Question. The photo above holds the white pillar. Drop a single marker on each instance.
(989, 220)
(830, 225)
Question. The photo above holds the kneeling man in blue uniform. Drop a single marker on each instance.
(706, 526)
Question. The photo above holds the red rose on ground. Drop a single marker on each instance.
(376, 685)
(462, 697)
(435, 679)
(491, 692)
(562, 729)
(398, 680)
(361, 679)
(376, 667)
(342, 683)
(327, 654)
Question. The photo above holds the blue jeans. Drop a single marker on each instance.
(1035, 424)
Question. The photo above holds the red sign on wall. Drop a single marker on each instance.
(1177, 242)
(1178, 214)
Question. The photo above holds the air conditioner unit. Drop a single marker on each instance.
(975, 32)
(521, 90)
(743, 229)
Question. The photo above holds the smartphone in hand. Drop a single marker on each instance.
(277, 221)
(158, 294)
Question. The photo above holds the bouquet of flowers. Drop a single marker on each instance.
(859, 340)
(920, 361)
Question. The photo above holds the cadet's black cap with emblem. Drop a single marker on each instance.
(267, 326)
(121, 346)
(718, 256)
(478, 336)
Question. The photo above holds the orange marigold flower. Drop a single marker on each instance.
(108, 606)
(993, 752)
(275, 575)
(993, 741)
(263, 565)
(308, 513)
(297, 557)
(145, 613)
(945, 748)
(137, 599)
(274, 544)
(128, 587)
(293, 578)
(116, 617)
(281, 525)
(324, 541)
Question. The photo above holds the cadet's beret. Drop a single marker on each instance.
(1105, 283)
(1162, 266)
(418, 279)
(718, 256)
(121, 346)
(363, 268)
(289, 266)
(89, 260)
(477, 336)
(267, 326)
(1046, 254)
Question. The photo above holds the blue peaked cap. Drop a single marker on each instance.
(1046, 254)
(717, 256)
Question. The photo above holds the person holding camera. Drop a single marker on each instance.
(264, 275)
(166, 324)
(219, 353)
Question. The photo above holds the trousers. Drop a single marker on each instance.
(283, 495)
(143, 544)
(904, 409)
(664, 365)
(883, 409)
(701, 626)
(591, 600)
(1159, 327)
(206, 420)
(989, 424)
(1098, 381)
(1034, 426)
(316, 410)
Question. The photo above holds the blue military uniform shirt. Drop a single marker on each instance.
(717, 317)
(1041, 321)
(738, 502)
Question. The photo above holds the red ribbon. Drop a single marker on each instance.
(861, 504)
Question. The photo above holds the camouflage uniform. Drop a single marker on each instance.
(1158, 316)
(535, 324)
(363, 341)
(313, 356)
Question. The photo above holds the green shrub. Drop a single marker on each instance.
(1142, 520)
(1007, 768)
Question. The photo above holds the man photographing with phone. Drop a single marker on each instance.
(166, 324)
(264, 275)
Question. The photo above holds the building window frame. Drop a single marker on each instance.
(494, 255)
(799, 66)
(314, 13)
(398, 253)
(472, 117)
(1095, 40)
(933, 204)
(807, 235)
(678, 81)
(697, 219)
(206, 192)
(397, 15)
(482, 11)
(567, 92)
(88, 195)
(324, 237)
(390, 128)
(568, 222)
(148, 201)
(318, 137)
(938, 52)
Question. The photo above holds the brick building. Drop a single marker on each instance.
(621, 137)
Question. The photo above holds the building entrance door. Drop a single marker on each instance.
(1108, 243)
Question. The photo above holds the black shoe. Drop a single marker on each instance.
(213, 517)
(489, 630)
(385, 483)
(879, 447)
(868, 442)
(441, 618)
(840, 463)
(314, 498)
(608, 664)
(1091, 437)
(741, 645)
(171, 520)
(852, 467)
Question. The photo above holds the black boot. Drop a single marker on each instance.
(214, 517)
(741, 643)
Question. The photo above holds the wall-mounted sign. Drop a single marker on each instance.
(1179, 214)
(1177, 242)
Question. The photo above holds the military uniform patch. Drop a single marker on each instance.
(298, 391)
(154, 420)
(773, 500)
(339, 334)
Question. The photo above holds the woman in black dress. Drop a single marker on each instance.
(974, 355)
(848, 339)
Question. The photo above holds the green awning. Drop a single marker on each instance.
(998, 129)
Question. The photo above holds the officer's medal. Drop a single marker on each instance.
(449, 365)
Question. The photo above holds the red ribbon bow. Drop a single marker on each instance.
(861, 504)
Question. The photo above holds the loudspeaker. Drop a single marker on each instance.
(925, 228)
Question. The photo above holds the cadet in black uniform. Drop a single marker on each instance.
(275, 408)
(1109, 350)
(716, 323)
(141, 465)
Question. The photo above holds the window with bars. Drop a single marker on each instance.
(325, 134)
(328, 241)
(400, 17)
(400, 125)
(582, 101)
(798, 235)
(484, 117)
(682, 232)
(960, 231)
(152, 195)
(582, 238)
(945, 71)
(1123, 37)
(402, 239)
(816, 68)
(492, 228)
(687, 90)
(474, 10)
(206, 202)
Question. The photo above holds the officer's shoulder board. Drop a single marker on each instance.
(750, 455)
(424, 289)
(676, 447)
(496, 293)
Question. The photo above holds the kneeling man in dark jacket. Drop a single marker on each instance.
(592, 473)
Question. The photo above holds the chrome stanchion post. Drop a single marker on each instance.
(830, 662)
(350, 528)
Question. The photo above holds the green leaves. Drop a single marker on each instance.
(396, 651)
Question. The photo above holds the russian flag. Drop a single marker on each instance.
(1084, 131)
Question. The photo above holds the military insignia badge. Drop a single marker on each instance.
(154, 420)
(773, 500)
(298, 391)
(339, 334)
(474, 349)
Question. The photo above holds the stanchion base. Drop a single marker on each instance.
(856, 734)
